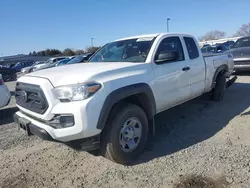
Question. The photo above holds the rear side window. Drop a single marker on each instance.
(191, 47)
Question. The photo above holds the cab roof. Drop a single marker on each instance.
(154, 35)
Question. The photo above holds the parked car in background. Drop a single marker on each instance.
(18, 67)
(205, 45)
(228, 44)
(28, 69)
(241, 54)
(109, 103)
(54, 64)
(8, 74)
(64, 61)
(47, 64)
(4, 93)
(80, 59)
(214, 49)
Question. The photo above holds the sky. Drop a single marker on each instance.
(33, 25)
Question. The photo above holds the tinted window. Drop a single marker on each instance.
(242, 42)
(171, 44)
(191, 48)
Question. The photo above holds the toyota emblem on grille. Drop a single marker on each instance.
(24, 96)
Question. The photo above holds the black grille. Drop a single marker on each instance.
(31, 97)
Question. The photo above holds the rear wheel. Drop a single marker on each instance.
(125, 134)
(220, 87)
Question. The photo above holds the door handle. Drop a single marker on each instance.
(186, 68)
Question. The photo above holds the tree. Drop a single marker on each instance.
(243, 31)
(68, 52)
(213, 35)
(79, 52)
(92, 49)
(41, 53)
(34, 53)
(52, 52)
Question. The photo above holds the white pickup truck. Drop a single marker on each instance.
(109, 103)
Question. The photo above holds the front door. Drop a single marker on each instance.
(172, 79)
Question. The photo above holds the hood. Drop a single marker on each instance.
(243, 52)
(82, 72)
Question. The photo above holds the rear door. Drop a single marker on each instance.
(171, 81)
(196, 63)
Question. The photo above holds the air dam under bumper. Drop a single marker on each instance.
(86, 144)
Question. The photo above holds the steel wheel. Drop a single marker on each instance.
(130, 134)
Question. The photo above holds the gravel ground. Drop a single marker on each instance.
(198, 144)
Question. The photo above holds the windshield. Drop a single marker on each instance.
(131, 50)
(77, 59)
(64, 61)
(243, 42)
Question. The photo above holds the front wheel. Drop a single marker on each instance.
(125, 134)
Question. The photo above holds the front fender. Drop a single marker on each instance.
(122, 93)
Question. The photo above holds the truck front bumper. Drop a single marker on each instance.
(242, 64)
(86, 144)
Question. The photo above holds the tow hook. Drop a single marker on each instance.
(231, 81)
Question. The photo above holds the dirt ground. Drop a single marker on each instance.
(198, 144)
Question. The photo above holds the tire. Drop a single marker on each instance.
(220, 87)
(5, 78)
(114, 132)
(14, 77)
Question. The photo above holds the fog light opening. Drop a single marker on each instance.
(67, 121)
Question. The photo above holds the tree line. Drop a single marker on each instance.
(244, 30)
(66, 52)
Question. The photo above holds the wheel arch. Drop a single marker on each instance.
(219, 70)
(139, 94)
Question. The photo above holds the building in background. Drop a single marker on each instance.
(8, 60)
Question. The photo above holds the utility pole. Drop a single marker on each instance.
(168, 19)
(92, 42)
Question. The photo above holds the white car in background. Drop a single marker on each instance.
(49, 63)
(28, 69)
(4, 93)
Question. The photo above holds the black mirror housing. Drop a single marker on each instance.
(167, 56)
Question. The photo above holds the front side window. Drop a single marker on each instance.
(131, 50)
(191, 47)
(171, 44)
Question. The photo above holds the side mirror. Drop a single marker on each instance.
(167, 56)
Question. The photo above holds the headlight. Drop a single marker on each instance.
(76, 92)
